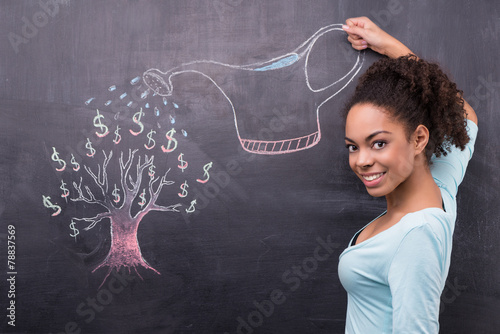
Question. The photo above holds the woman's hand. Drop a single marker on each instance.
(363, 33)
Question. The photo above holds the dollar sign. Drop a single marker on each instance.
(150, 139)
(115, 193)
(97, 123)
(151, 172)
(191, 207)
(184, 191)
(142, 196)
(74, 229)
(118, 137)
(170, 137)
(183, 164)
(90, 148)
(75, 163)
(137, 120)
(206, 168)
(64, 190)
(55, 157)
(48, 204)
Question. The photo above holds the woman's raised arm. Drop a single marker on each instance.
(363, 33)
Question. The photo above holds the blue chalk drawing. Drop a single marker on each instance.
(135, 80)
(280, 63)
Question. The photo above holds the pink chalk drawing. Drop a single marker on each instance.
(125, 250)
(284, 75)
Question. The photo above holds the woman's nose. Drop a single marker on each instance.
(364, 158)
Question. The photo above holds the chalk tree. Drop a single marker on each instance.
(125, 250)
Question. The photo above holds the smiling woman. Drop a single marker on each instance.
(410, 136)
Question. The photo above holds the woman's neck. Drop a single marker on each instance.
(417, 192)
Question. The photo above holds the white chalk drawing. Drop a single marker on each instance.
(136, 124)
(125, 194)
(161, 84)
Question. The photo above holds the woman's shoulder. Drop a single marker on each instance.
(432, 223)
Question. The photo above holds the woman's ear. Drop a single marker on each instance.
(420, 138)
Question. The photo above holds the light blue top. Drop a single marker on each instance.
(394, 279)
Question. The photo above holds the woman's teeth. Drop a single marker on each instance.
(372, 177)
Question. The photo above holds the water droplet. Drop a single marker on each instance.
(164, 100)
(172, 119)
(112, 88)
(89, 100)
(147, 105)
(176, 106)
(123, 96)
(157, 111)
(135, 80)
(158, 125)
(108, 102)
(116, 115)
(145, 94)
(184, 133)
(130, 104)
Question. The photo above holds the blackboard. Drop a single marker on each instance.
(239, 103)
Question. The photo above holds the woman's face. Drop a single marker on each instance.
(379, 152)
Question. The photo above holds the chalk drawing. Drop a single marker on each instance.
(124, 250)
(130, 189)
(206, 174)
(161, 84)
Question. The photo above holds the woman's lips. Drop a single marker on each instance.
(372, 179)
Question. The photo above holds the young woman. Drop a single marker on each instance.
(410, 136)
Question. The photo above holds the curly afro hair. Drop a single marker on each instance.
(413, 92)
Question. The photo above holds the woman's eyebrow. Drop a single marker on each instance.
(370, 136)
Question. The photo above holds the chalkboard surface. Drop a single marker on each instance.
(179, 167)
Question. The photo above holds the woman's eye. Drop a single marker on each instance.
(379, 145)
(351, 148)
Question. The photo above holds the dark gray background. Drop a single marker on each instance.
(268, 216)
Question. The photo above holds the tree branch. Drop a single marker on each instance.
(130, 186)
(139, 171)
(124, 170)
(163, 181)
(90, 199)
(94, 220)
(101, 179)
(173, 207)
(153, 196)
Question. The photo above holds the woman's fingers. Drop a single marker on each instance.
(358, 21)
(356, 29)
(357, 42)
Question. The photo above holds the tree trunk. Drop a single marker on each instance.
(125, 250)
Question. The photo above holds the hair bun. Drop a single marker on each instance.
(416, 92)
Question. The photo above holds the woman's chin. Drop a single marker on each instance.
(376, 192)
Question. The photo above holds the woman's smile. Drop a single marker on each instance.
(371, 179)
